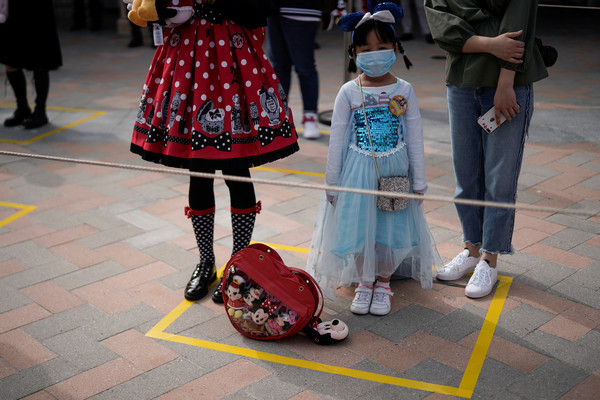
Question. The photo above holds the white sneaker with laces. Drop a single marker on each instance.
(382, 301)
(362, 300)
(311, 127)
(482, 281)
(459, 266)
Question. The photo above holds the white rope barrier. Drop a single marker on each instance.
(427, 197)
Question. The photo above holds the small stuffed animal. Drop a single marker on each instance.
(327, 332)
(235, 301)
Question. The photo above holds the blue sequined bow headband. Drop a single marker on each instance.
(383, 12)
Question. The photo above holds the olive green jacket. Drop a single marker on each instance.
(452, 22)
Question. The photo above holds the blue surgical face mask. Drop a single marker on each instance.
(376, 63)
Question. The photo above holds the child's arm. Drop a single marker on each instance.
(337, 141)
(414, 143)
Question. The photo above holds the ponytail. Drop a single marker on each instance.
(351, 62)
(407, 62)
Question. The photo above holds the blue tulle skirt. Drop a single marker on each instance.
(356, 242)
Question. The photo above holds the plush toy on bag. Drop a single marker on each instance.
(266, 300)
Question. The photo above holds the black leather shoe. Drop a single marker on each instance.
(36, 120)
(19, 116)
(217, 296)
(204, 275)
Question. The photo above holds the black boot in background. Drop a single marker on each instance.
(17, 81)
(41, 79)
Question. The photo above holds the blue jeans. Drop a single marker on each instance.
(487, 166)
(292, 42)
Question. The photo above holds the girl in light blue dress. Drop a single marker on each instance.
(354, 241)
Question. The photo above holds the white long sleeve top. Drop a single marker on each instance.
(347, 101)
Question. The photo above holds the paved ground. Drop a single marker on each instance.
(93, 260)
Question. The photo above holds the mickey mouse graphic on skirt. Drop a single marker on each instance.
(211, 101)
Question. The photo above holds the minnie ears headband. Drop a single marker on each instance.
(383, 12)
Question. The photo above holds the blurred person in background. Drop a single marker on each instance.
(292, 34)
(30, 41)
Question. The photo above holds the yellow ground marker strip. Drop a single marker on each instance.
(24, 210)
(469, 379)
(465, 389)
(324, 132)
(291, 171)
(95, 114)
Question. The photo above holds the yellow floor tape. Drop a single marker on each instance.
(467, 384)
(95, 114)
(24, 210)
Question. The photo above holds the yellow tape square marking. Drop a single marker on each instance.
(465, 389)
(56, 130)
(24, 210)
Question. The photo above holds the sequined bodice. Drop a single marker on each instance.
(383, 126)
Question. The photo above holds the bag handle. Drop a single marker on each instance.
(362, 101)
(266, 249)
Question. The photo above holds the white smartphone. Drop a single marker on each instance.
(488, 120)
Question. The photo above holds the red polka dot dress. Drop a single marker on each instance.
(211, 100)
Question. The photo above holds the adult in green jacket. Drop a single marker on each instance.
(491, 61)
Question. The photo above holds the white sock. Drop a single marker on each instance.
(385, 285)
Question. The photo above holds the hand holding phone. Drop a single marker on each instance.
(488, 120)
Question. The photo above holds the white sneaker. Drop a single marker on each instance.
(311, 127)
(362, 300)
(460, 265)
(482, 281)
(382, 301)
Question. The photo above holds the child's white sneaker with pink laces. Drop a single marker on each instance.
(382, 301)
(362, 299)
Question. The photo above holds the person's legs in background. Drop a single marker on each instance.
(96, 14)
(16, 79)
(78, 15)
(41, 80)
(301, 37)
(279, 54)
(137, 38)
(407, 25)
(408, 6)
(292, 42)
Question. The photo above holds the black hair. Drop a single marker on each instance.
(384, 32)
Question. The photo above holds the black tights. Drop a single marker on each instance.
(241, 194)
(41, 79)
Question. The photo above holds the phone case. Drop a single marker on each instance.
(488, 120)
